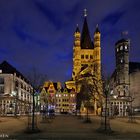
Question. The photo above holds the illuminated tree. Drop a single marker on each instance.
(90, 93)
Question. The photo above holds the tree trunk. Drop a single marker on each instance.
(87, 114)
(33, 113)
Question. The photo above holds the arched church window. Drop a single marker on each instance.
(121, 48)
(126, 47)
(91, 56)
(121, 60)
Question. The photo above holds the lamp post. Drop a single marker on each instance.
(14, 94)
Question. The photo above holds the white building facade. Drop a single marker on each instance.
(15, 91)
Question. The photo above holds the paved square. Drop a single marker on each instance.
(66, 127)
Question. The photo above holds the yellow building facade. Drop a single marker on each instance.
(86, 53)
(86, 56)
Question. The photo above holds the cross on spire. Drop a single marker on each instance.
(85, 12)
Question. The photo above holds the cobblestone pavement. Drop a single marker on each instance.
(66, 127)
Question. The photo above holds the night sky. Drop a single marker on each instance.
(39, 33)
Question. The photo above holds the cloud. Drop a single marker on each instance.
(113, 18)
(40, 32)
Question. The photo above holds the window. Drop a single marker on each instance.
(126, 47)
(121, 48)
(82, 56)
(21, 85)
(1, 89)
(1, 80)
(91, 56)
(86, 56)
(117, 49)
(16, 83)
(24, 87)
(21, 94)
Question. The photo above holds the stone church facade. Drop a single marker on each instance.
(125, 81)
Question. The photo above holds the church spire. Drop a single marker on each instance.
(77, 37)
(85, 37)
(97, 29)
(77, 29)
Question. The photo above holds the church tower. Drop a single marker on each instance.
(122, 67)
(86, 57)
(97, 53)
(86, 54)
(76, 53)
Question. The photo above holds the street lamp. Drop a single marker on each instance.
(14, 94)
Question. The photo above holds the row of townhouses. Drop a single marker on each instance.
(54, 96)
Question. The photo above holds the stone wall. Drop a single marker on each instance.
(135, 88)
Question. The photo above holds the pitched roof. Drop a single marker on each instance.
(134, 66)
(121, 41)
(46, 88)
(85, 37)
(9, 69)
(77, 29)
(97, 29)
(55, 86)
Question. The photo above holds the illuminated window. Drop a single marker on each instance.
(121, 48)
(117, 49)
(126, 47)
(51, 91)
